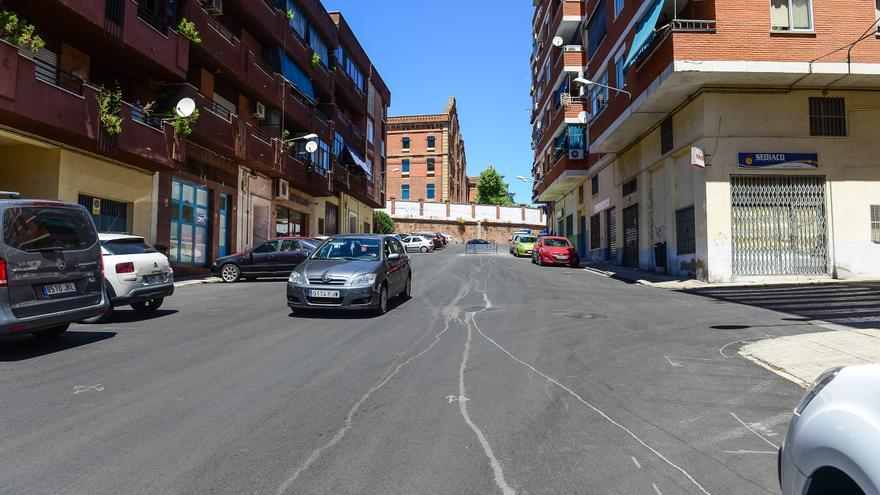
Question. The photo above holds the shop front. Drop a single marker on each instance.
(293, 215)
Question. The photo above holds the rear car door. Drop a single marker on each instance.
(392, 274)
(53, 258)
(263, 258)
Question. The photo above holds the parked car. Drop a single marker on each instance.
(273, 258)
(524, 245)
(417, 243)
(479, 242)
(438, 243)
(514, 238)
(135, 274)
(51, 271)
(352, 272)
(553, 250)
(442, 237)
(831, 445)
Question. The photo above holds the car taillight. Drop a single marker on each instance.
(3, 281)
(125, 267)
(101, 263)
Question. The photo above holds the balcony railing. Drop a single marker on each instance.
(692, 25)
(152, 19)
(222, 30)
(219, 110)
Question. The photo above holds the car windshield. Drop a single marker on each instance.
(45, 228)
(127, 246)
(527, 239)
(557, 243)
(353, 249)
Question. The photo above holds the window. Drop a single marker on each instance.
(432, 142)
(371, 129)
(289, 222)
(597, 28)
(875, 224)
(405, 143)
(338, 143)
(121, 247)
(430, 191)
(109, 216)
(791, 15)
(619, 72)
(666, 143)
(594, 185)
(630, 187)
(266, 247)
(685, 234)
(189, 223)
(404, 167)
(36, 228)
(581, 194)
(430, 166)
(322, 156)
(618, 7)
(595, 236)
(404, 191)
(599, 95)
(827, 116)
(348, 65)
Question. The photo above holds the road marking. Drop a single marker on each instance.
(754, 431)
(88, 388)
(774, 452)
(456, 398)
(750, 392)
(725, 346)
(636, 462)
(676, 364)
(656, 490)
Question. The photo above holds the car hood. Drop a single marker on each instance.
(557, 250)
(525, 245)
(336, 268)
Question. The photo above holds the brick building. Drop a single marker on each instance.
(720, 139)
(255, 78)
(426, 157)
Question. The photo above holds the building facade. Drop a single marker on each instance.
(89, 118)
(426, 157)
(726, 140)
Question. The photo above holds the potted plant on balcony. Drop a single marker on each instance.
(316, 59)
(183, 125)
(110, 110)
(188, 30)
(19, 31)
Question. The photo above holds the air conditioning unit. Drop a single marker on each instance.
(258, 110)
(214, 7)
(282, 189)
(575, 154)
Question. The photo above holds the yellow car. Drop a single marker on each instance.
(524, 246)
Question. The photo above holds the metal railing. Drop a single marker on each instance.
(692, 25)
(152, 19)
(260, 133)
(491, 247)
(222, 30)
(49, 73)
(219, 110)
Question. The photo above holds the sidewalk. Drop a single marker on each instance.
(636, 276)
(195, 280)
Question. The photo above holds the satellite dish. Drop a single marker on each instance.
(558, 41)
(311, 146)
(582, 117)
(185, 107)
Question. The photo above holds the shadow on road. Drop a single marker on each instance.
(343, 314)
(22, 347)
(132, 316)
(855, 304)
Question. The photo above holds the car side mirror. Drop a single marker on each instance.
(393, 257)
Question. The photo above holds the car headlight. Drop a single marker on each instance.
(296, 278)
(821, 382)
(364, 279)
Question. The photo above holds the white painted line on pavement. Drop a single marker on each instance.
(774, 452)
(636, 462)
(656, 490)
(754, 431)
(87, 388)
(725, 346)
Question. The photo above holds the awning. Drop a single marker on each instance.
(644, 33)
(297, 77)
(355, 159)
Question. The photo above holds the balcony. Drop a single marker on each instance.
(564, 174)
(217, 128)
(302, 175)
(260, 151)
(565, 17)
(349, 94)
(151, 37)
(219, 44)
(147, 142)
(262, 79)
(324, 81)
(263, 14)
(350, 132)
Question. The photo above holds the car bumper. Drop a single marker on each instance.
(552, 260)
(791, 480)
(9, 324)
(349, 297)
(144, 294)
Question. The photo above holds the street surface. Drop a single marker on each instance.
(497, 377)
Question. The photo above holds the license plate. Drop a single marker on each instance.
(151, 279)
(55, 289)
(324, 293)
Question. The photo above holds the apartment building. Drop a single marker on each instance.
(90, 118)
(725, 140)
(426, 157)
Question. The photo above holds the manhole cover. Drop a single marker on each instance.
(584, 316)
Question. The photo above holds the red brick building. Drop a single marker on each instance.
(689, 112)
(256, 79)
(426, 157)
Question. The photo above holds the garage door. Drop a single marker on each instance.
(631, 236)
(778, 226)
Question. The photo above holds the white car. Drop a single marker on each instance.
(417, 243)
(135, 274)
(833, 438)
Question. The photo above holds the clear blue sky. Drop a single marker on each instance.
(475, 50)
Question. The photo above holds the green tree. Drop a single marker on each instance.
(383, 223)
(492, 190)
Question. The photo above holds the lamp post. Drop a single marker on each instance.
(586, 82)
(525, 179)
(311, 145)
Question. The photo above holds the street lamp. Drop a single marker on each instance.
(587, 82)
(525, 179)
(311, 145)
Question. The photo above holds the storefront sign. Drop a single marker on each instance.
(96, 206)
(698, 157)
(300, 200)
(778, 160)
(601, 205)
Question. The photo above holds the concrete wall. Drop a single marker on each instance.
(469, 212)
(500, 233)
(30, 170)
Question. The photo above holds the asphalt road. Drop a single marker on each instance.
(497, 377)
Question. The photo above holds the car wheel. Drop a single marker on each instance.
(406, 295)
(148, 307)
(423, 249)
(382, 306)
(52, 332)
(101, 318)
(230, 273)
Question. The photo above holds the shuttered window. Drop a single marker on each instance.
(686, 237)
(595, 236)
(827, 116)
(630, 187)
(875, 223)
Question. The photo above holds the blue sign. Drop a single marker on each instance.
(778, 160)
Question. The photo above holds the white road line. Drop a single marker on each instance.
(636, 462)
(774, 452)
(754, 431)
(462, 407)
(656, 490)
(596, 410)
(725, 346)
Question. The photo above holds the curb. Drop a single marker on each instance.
(187, 283)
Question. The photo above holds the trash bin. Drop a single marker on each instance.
(660, 255)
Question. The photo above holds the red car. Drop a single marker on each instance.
(555, 251)
(438, 242)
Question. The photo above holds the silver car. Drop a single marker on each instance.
(352, 272)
